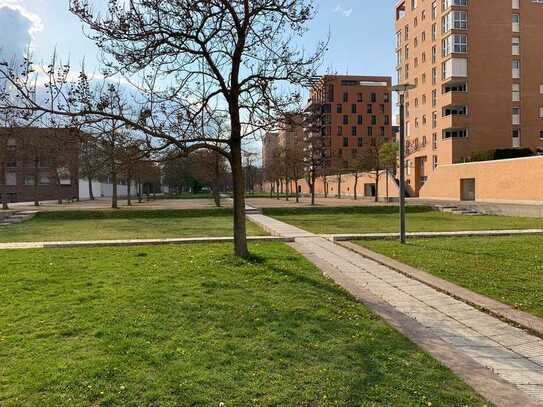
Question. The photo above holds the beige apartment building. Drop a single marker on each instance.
(478, 70)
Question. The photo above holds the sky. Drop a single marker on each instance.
(361, 34)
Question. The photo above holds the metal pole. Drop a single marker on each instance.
(402, 169)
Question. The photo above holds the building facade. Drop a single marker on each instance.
(478, 70)
(351, 114)
(39, 163)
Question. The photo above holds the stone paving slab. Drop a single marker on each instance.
(439, 320)
(135, 242)
(505, 312)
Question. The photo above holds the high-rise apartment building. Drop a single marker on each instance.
(349, 114)
(478, 70)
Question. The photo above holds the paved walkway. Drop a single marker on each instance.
(512, 354)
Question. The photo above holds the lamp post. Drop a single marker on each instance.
(402, 89)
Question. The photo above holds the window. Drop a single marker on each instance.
(339, 108)
(360, 142)
(369, 109)
(434, 162)
(360, 119)
(382, 108)
(456, 43)
(434, 141)
(29, 180)
(353, 108)
(374, 97)
(382, 131)
(345, 97)
(386, 97)
(434, 98)
(455, 133)
(11, 179)
(541, 112)
(541, 135)
(434, 76)
(516, 138)
(374, 119)
(359, 97)
(516, 23)
(44, 179)
(541, 89)
(353, 131)
(434, 10)
(516, 92)
(345, 142)
(339, 131)
(434, 120)
(516, 46)
(434, 32)
(370, 131)
(345, 119)
(516, 4)
(516, 69)
(387, 119)
(516, 116)
(11, 163)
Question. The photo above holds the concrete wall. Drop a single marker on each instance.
(101, 189)
(517, 181)
(347, 186)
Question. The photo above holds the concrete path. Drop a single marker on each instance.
(513, 358)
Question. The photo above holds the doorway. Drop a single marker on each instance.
(467, 189)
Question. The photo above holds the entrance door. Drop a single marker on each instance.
(467, 189)
(369, 190)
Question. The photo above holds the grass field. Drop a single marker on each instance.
(385, 219)
(194, 326)
(508, 269)
(133, 224)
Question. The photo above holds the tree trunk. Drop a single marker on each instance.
(355, 186)
(377, 174)
(140, 194)
(128, 191)
(277, 189)
(91, 192)
(4, 187)
(387, 187)
(36, 175)
(287, 188)
(312, 187)
(325, 186)
(297, 190)
(339, 186)
(59, 188)
(114, 197)
(238, 183)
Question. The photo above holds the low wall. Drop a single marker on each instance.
(347, 186)
(515, 181)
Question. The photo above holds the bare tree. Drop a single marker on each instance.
(241, 49)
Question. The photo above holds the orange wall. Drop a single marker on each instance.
(347, 185)
(517, 180)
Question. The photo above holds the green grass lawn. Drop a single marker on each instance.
(124, 224)
(385, 219)
(193, 326)
(508, 269)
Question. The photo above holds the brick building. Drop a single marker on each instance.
(350, 114)
(39, 163)
(478, 70)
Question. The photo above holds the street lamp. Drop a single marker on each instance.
(402, 89)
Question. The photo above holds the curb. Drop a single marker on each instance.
(506, 313)
(429, 235)
(139, 242)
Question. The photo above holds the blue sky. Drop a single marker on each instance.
(362, 33)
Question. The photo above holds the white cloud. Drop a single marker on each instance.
(18, 27)
(346, 12)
